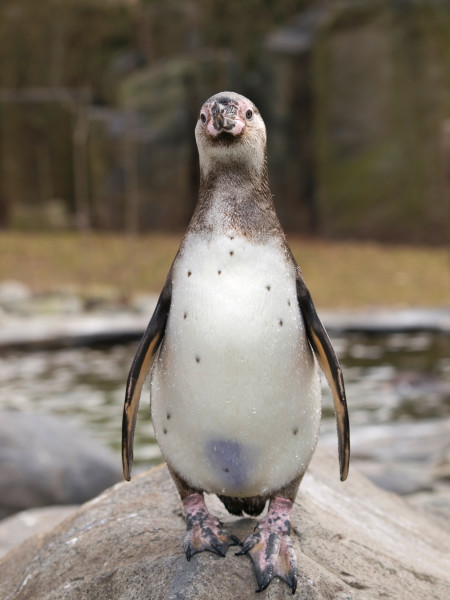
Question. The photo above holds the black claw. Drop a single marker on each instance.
(294, 584)
(264, 578)
(219, 549)
(248, 545)
(216, 546)
(263, 586)
(290, 578)
(236, 541)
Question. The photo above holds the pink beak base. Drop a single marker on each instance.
(237, 129)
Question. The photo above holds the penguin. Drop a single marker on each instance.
(233, 349)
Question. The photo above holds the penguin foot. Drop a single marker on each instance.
(270, 547)
(204, 531)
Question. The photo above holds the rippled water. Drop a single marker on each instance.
(390, 378)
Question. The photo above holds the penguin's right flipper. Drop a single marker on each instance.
(142, 362)
(329, 364)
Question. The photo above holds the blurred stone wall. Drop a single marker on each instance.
(362, 91)
(143, 164)
(354, 95)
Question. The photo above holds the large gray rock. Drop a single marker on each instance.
(405, 458)
(354, 541)
(44, 460)
(16, 529)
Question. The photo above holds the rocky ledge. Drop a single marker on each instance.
(354, 541)
(45, 461)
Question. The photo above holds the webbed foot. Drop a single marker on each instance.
(270, 547)
(204, 531)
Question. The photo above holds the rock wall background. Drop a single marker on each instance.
(98, 102)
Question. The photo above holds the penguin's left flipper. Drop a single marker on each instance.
(140, 367)
(329, 364)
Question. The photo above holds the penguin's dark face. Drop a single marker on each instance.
(230, 128)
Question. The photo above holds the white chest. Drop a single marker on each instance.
(235, 392)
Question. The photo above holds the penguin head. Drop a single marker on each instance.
(230, 129)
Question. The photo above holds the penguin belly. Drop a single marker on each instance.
(235, 391)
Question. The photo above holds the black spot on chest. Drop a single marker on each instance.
(231, 459)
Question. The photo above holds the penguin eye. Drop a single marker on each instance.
(203, 118)
(249, 114)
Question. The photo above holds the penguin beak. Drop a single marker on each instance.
(223, 116)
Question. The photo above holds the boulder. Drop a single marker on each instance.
(354, 541)
(16, 529)
(44, 461)
(405, 458)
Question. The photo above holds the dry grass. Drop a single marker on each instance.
(339, 274)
